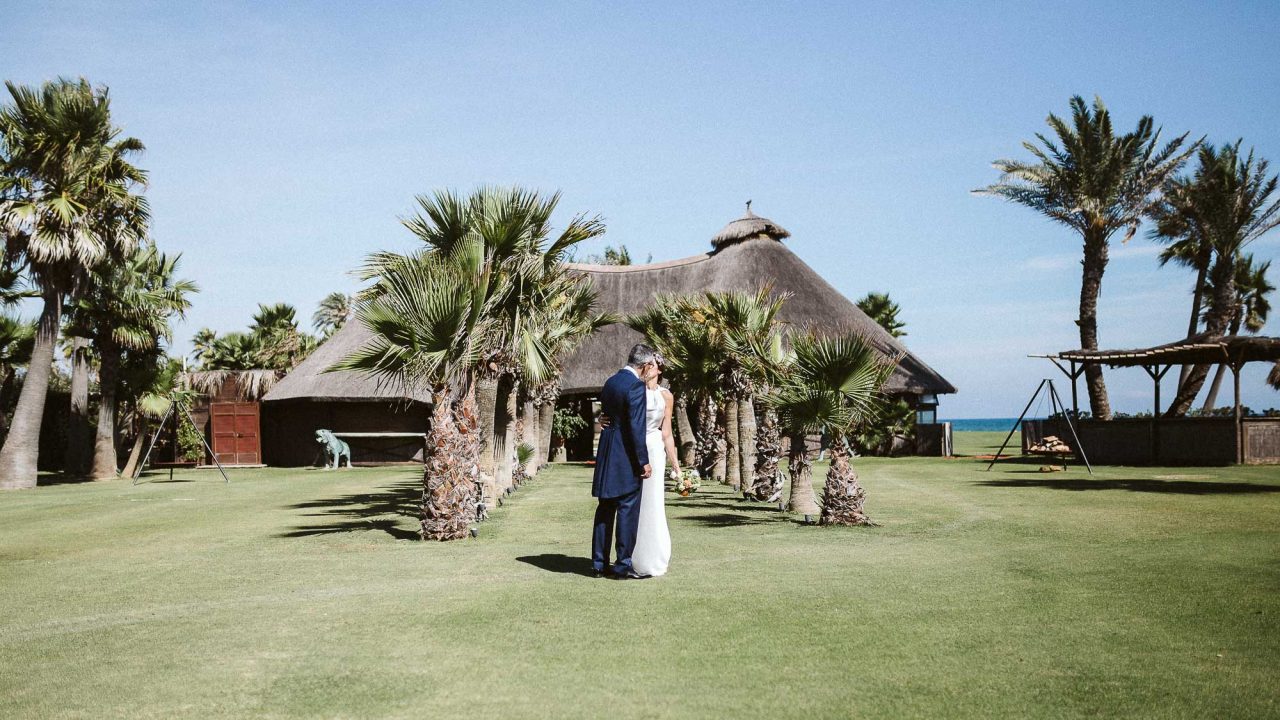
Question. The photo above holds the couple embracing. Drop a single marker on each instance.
(635, 444)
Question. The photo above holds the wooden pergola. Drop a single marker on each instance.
(1234, 351)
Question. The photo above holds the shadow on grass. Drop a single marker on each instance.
(558, 563)
(60, 478)
(1183, 487)
(365, 511)
(720, 520)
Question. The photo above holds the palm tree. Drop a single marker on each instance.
(79, 429)
(428, 313)
(66, 180)
(16, 340)
(202, 343)
(1097, 184)
(1250, 310)
(521, 261)
(884, 311)
(1185, 244)
(832, 385)
(677, 327)
(1230, 203)
(128, 308)
(746, 321)
(281, 346)
(332, 313)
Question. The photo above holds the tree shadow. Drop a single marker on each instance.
(382, 509)
(1182, 487)
(720, 520)
(558, 563)
(47, 478)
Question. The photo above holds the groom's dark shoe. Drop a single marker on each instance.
(598, 572)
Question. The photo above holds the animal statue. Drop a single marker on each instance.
(334, 449)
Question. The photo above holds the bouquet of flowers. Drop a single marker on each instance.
(687, 481)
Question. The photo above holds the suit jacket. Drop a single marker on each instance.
(623, 453)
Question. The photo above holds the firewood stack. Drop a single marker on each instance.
(1050, 444)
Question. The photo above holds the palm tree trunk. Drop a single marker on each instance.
(1197, 299)
(486, 390)
(135, 455)
(504, 431)
(80, 438)
(1095, 262)
(22, 446)
(705, 449)
(532, 434)
(452, 463)
(684, 429)
(768, 477)
(719, 457)
(1224, 292)
(546, 417)
(843, 497)
(104, 442)
(1210, 401)
(747, 444)
(802, 499)
(733, 467)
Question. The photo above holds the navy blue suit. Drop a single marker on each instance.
(620, 460)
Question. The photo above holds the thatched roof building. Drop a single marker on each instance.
(747, 253)
(383, 420)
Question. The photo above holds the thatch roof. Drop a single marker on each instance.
(741, 265)
(747, 227)
(308, 381)
(1202, 348)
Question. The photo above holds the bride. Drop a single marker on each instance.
(653, 542)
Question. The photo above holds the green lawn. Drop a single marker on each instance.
(1139, 592)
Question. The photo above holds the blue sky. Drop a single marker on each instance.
(286, 140)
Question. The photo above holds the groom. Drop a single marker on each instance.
(622, 462)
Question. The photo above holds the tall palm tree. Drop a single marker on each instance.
(1231, 203)
(429, 316)
(1096, 183)
(746, 321)
(677, 327)
(521, 260)
(128, 308)
(202, 343)
(1250, 311)
(832, 385)
(1186, 244)
(332, 313)
(883, 311)
(66, 179)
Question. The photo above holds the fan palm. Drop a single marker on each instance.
(521, 260)
(832, 385)
(1096, 183)
(66, 182)
(746, 321)
(17, 337)
(332, 313)
(127, 308)
(1250, 311)
(430, 323)
(1230, 203)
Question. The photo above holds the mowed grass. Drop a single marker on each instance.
(1138, 592)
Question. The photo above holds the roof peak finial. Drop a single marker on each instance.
(748, 206)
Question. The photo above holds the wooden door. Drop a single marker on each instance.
(234, 426)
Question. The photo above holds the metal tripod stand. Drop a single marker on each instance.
(175, 404)
(1056, 406)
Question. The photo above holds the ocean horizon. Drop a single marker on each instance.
(980, 424)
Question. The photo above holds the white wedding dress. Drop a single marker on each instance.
(652, 552)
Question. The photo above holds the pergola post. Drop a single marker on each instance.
(1235, 376)
(1156, 374)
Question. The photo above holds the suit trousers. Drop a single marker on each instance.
(624, 513)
